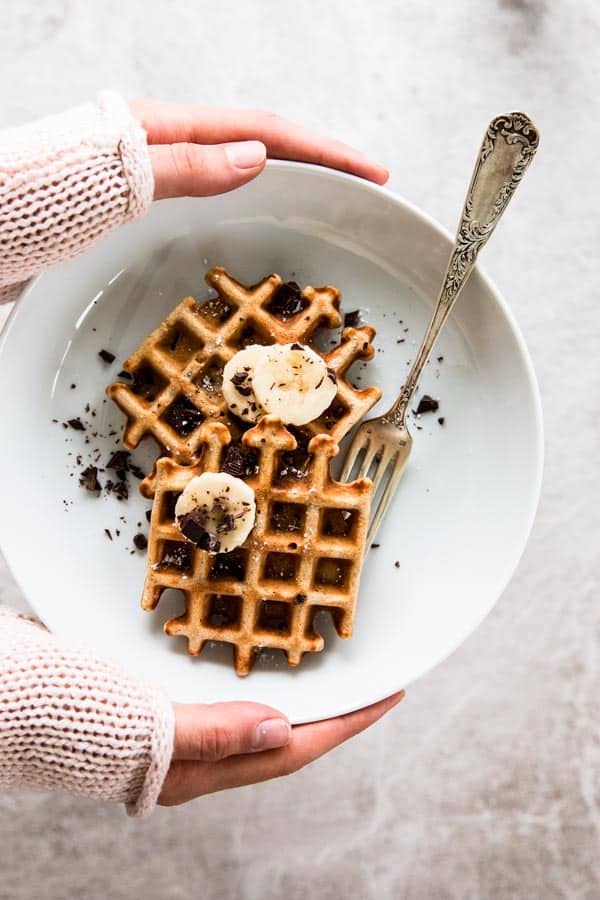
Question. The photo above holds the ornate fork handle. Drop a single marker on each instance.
(508, 147)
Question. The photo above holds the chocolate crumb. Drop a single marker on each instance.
(441, 420)
(440, 359)
(352, 319)
(375, 546)
(331, 375)
(124, 374)
(89, 480)
(108, 534)
(148, 514)
(76, 424)
(139, 541)
(300, 598)
(107, 356)
(296, 346)
(426, 404)
(73, 386)
(397, 564)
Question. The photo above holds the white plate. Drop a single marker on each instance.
(458, 524)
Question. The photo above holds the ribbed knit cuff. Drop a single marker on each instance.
(70, 720)
(66, 181)
(162, 751)
(133, 148)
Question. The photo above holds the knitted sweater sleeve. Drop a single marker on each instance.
(70, 721)
(66, 181)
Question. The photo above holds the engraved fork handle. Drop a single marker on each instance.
(508, 147)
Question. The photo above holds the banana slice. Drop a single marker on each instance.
(216, 511)
(237, 383)
(292, 382)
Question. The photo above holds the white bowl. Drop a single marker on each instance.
(459, 521)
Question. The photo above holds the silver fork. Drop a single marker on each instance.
(384, 443)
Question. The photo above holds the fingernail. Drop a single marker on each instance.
(271, 733)
(246, 154)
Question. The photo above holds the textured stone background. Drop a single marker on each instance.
(484, 783)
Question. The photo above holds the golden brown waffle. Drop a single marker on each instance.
(303, 555)
(177, 371)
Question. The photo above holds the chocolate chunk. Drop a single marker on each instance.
(239, 378)
(119, 461)
(148, 514)
(441, 420)
(375, 546)
(139, 541)
(296, 346)
(240, 461)
(294, 463)
(76, 424)
(107, 356)
(352, 319)
(89, 480)
(287, 300)
(244, 390)
(300, 598)
(210, 543)
(227, 525)
(331, 375)
(193, 526)
(183, 416)
(426, 404)
(118, 488)
(136, 471)
(124, 374)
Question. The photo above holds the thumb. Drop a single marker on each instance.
(196, 170)
(210, 732)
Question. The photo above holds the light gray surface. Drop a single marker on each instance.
(484, 783)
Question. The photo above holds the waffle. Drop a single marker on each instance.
(303, 555)
(177, 371)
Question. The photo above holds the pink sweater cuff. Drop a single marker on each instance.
(66, 181)
(70, 721)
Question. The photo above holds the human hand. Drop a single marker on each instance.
(225, 745)
(197, 151)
